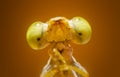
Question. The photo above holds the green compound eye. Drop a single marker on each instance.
(35, 35)
(82, 30)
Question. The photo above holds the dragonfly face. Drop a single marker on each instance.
(58, 29)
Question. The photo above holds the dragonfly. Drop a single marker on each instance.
(58, 33)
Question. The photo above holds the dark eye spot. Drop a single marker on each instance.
(38, 39)
(80, 34)
(61, 51)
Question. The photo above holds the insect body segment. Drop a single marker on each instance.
(76, 30)
(63, 64)
(58, 30)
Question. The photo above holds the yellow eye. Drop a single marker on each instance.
(35, 35)
(82, 30)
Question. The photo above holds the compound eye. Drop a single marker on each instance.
(35, 35)
(82, 30)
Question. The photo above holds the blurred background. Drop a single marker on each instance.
(101, 56)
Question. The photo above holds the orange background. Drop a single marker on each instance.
(100, 56)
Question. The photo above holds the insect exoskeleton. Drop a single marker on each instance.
(58, 29)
